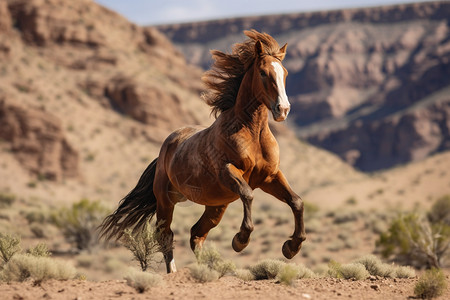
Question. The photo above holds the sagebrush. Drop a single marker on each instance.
(142, 281)
(9, 245)
(412, 239)
(431, 284)
(79, 223)
(22, 266)
(145, 244)
(210, 257)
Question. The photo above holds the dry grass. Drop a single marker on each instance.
(22, 267)
(203, 273)
(142, 281)
(267, 269)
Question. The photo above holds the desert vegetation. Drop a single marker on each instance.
(419, 239)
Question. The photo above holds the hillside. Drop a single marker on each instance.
(371, 85)
(86, 99)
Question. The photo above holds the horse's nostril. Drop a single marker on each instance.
(278, 107)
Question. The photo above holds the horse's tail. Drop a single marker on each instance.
(138, 207)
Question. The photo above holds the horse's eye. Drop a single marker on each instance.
(263, 74)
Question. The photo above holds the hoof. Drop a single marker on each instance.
(238, 246)
(287, 251)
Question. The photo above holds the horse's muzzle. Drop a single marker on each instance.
(280, 112)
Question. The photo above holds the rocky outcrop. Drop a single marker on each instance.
(395, 140)
(5, 28)
(147, 104)
(37, 141)
(351, 71)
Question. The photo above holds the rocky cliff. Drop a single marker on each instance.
(69, 67)
(371, 85)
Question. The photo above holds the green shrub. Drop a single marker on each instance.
(431, 284)
(9, 245)
(287, 274)
(375, 266)
(142, 281)
(22, 267)
(79, 223)
(40, 250)
(145, 244)
(440, 211)
(347, 271)
(267, 269)
(411, 239)
(354, 271)
(210, 257)
(203, 273)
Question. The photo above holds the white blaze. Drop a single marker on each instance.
(282, 97)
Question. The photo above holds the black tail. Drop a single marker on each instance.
(138, 207)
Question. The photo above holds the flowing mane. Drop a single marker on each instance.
(226, 74)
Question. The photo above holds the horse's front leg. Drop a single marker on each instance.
(278, 186)
(232, 178)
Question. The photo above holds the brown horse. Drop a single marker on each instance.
(214, 166)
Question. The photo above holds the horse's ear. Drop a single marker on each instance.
(282, 52)
(259, 48)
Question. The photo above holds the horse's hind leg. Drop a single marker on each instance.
(279, 187)
(210, 218)
(232, 178)
(164, 215)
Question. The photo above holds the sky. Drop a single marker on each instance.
(155, 12)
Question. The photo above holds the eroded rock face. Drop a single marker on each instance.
(354, 75)
(37, 141)
(147, 104)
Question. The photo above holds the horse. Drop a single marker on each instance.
(216, 165)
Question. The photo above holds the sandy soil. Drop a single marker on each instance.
(182, 286)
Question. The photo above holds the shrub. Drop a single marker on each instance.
(440, 211)
(431, 284)
(244, 274)
(6, 200)
(40, 250)
(411, 239)
(79, 223)
(347, 271)
(375, 266)
(203, 273)
(354, 271)
(9, 245)
(404, 272)
(145, 244)
(288, 274)
(210, 257)
(22, 267)
(142, 281)
(267, 269)
(304, 272)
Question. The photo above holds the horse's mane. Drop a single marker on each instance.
(227, 72)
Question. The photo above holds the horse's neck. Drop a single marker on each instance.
(248, 110)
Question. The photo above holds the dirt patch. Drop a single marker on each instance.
(182, 286)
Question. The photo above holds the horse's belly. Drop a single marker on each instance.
(203, 189)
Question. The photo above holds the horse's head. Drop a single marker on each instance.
(269, 79)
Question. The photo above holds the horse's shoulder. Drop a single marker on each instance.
(183, 133)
